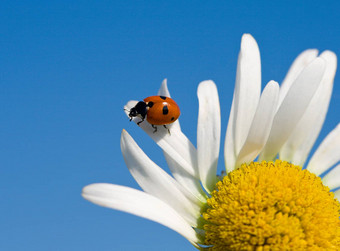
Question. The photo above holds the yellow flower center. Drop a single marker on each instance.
(272, 206)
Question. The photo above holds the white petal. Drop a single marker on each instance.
(190, 182)
(246, 97)
(298, 65)
(164, 91)
(337, 194)
(155, 181)
(293, 107)
(175, 144)
(229, 142)
(301, 141)
(208, 133)
(261, 125)
(332, 179)
(247, 88)
(327, 154)
(141, 204)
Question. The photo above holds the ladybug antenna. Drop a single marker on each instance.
(129, 114)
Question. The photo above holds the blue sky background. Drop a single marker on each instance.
(68, 67)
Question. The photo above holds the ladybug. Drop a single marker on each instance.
(158, 110)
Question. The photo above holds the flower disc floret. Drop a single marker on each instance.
(272, 206)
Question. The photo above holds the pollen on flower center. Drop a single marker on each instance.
(271, 206)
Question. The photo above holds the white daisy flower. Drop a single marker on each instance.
(266, 200)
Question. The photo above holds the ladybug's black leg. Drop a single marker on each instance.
(154, 127)
(139, 121)
(167, 129)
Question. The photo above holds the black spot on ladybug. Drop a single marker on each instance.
(172, 118)
(150, 104)
(165, 110)
(163, 97)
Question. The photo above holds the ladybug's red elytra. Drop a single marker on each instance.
(158, 110)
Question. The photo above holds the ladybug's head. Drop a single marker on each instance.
(139, 110)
